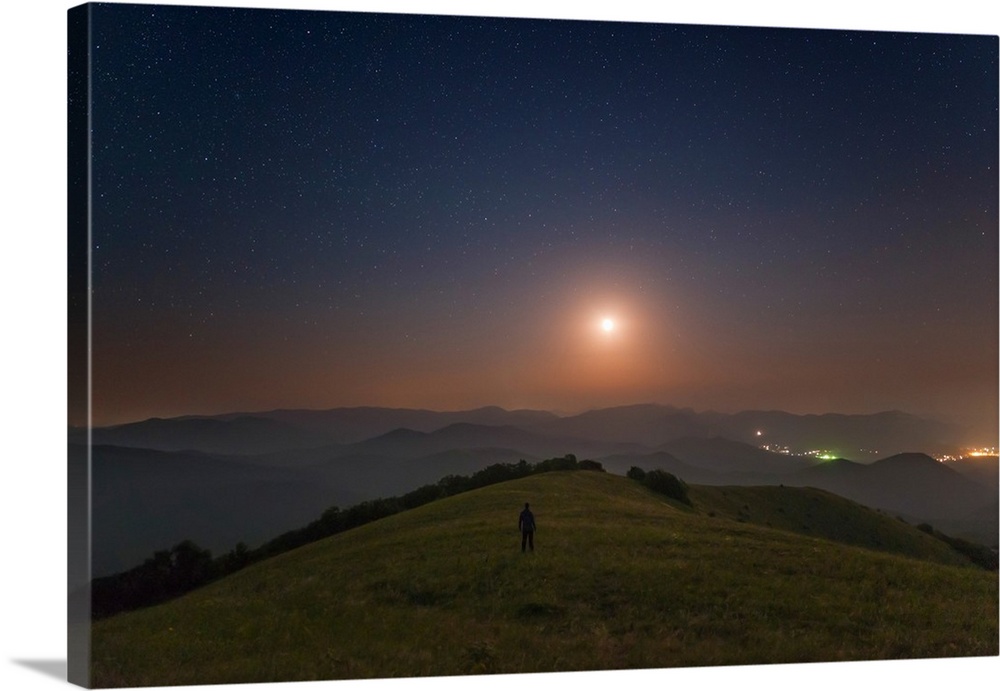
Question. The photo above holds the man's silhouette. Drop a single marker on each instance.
(526, 524)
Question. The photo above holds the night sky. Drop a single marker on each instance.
(322, 209)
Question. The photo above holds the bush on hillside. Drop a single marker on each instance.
(420, 496)
(567, 462)
(662, 482)
(980, 555)
(165, 575)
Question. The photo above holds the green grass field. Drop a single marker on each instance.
(621, 578)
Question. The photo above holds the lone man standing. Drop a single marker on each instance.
(526, 524)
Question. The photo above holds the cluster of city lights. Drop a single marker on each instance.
(827, 455)
(822, 454)
(977, 452)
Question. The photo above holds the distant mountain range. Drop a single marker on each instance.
(248, 477)
(849, 436)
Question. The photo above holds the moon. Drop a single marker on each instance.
(608, 324)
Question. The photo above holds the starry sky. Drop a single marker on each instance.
(320, 209)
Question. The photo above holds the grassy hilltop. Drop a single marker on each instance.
(621, 578)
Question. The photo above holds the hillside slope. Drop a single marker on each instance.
(818, 513)
(621, 578)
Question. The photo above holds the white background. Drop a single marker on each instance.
(33, 352)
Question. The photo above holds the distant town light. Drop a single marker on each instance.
(983, 451)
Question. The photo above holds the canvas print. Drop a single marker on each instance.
(409, 345)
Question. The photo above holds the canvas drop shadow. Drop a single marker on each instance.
(57, 669)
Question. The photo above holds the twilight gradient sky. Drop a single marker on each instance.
(321, 209)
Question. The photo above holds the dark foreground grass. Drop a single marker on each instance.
(620, 578)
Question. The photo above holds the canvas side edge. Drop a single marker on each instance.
(78, 343)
